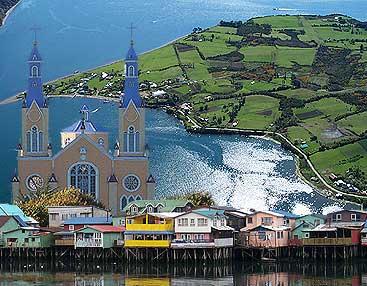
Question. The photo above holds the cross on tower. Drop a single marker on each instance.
(131, 28)
(35, 29)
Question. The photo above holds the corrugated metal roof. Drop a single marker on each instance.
(13, 210)
(107, 228)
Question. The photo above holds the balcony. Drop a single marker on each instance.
(148, 243)
(149, 227)
(327, 241)
(89, 243)
(64, 242)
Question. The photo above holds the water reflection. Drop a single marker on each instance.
(246, 274)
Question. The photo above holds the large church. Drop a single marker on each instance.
(84, 161)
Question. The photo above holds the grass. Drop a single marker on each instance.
(159, 76)
(356, 123)
(280, 21)
(264, 54)
(298, 135)
(301, 93)
(216, 109)
(339, 160)
(259, 112)
(286, 57)
(158, 59)
(330, 107)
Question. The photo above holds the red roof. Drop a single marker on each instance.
(107, 228)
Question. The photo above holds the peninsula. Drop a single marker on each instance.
(300, 77)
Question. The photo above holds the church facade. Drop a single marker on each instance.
(84, 161)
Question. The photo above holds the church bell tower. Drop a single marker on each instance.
(132, 112)
(35, 111)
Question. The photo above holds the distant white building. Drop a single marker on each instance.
(57, 215)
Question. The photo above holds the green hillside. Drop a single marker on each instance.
(303, 76)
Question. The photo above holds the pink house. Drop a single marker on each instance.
(269, 229)
(270, 218)
(268, 236)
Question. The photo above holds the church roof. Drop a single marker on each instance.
(86, 126)
(35, 56)
(131, 54)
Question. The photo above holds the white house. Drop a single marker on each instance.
(202, 227)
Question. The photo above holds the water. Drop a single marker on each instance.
(77, 35)
(24, 274)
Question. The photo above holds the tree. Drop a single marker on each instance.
(36, 205)
(198, 199)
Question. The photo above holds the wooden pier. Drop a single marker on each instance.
(169, 255)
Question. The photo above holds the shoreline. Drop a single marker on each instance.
(7, 14)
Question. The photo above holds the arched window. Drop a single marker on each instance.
(123, 202)
(131, 140)
(84, 176)
(34, 72)
(131, 71)
(131, 199)
(34, 139)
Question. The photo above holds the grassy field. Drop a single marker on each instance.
(357, 123)
(339, 160)
(328, 107)
(259, 112)
(303, 139)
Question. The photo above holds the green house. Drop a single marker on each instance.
(9, 223)
(305, 223)
(139, 207)
(99, 236)
(28, 237)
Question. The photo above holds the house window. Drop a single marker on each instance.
(317, 222)
(249, 220)
(192, 222)
(353, 217)
(64, 216)
(215, 222)
(338, 217)
(262, 235)
(73, 215)
(84, 177)
(133, 209)
(54, 216)
(267, 220)
(202, 222)
(307, 235)
(222, 222)
(185, 222)
(71, 227)
(150, 209)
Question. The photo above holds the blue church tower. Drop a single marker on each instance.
(131, 88)
(35, 89)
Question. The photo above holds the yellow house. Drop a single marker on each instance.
(150, 230)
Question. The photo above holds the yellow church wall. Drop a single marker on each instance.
(94, 155)
(29, 166)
